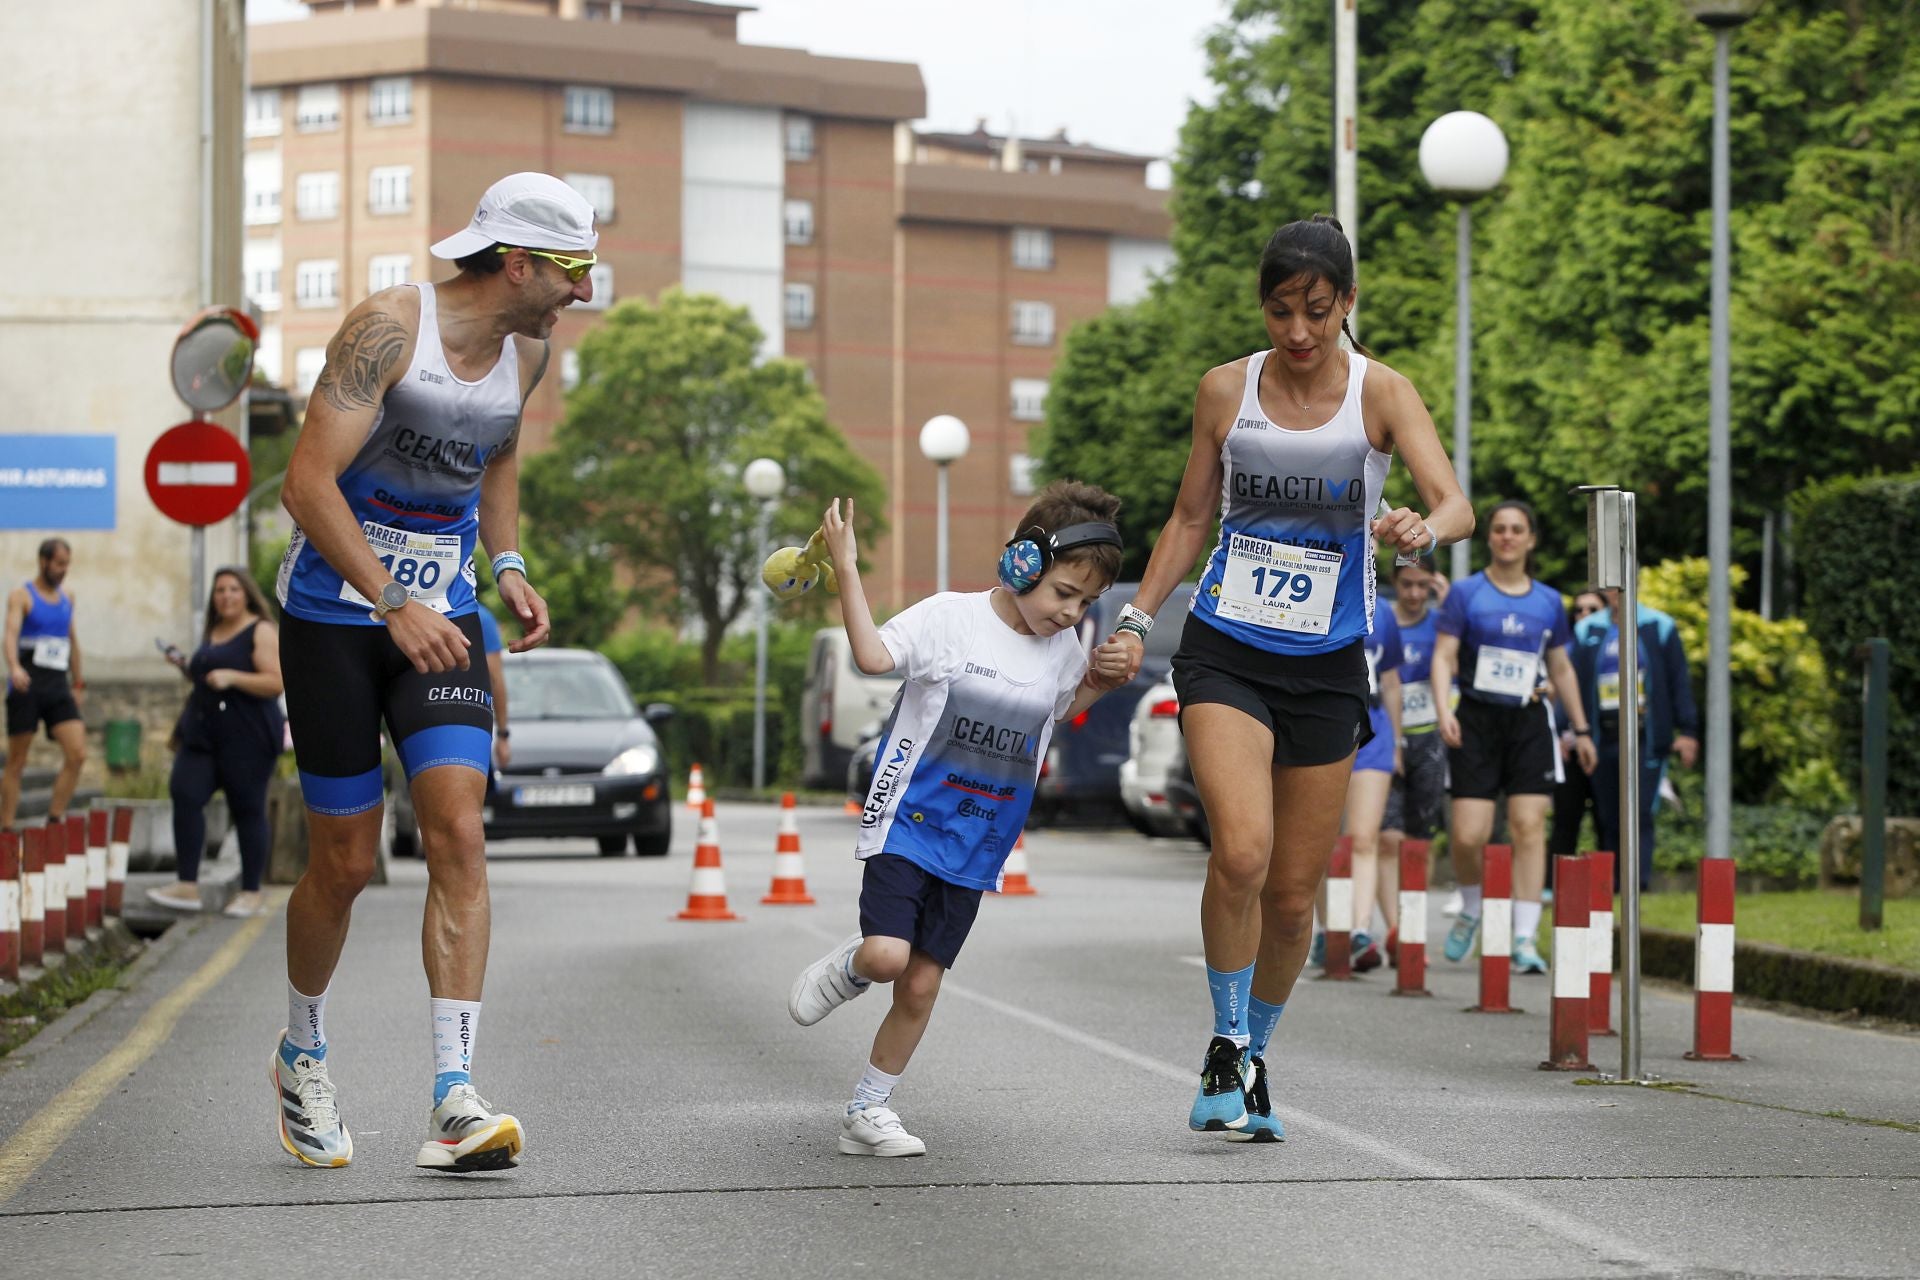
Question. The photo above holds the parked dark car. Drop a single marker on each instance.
(585, 760)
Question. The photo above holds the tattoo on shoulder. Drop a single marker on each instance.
(359, 361)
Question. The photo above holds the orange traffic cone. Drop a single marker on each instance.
(1013, 878)
(852, 807)
(696, 790)
(789, 869)
(707, 895)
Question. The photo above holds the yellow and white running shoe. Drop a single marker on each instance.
(310, 1127)
(465, 1136)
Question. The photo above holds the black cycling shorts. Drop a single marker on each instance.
(1315, 704)
(1503, 750)
(48, 699)
(342, 681)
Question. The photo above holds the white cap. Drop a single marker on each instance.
(531, 210)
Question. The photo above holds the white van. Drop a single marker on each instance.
(838, 706)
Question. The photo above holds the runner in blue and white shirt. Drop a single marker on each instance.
(1375, 766)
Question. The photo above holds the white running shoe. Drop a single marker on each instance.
(310, 1127)
(464, 1135)
(181, 897)
(824, 986)
(1454, 905)
(876, 1131)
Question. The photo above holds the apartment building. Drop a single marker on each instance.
(913, 273)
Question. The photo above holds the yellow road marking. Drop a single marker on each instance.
(41, 1136)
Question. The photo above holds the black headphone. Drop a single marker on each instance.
(1029, 555)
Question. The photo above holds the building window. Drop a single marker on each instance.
(307, 364)
(1029, 397)
(317, 284)
(385, 270)
(569, 369)
(318, 107)
(799, 219)
(1033, 324)
(588, 110)
(602, 277)
(799, 137)
(799, 306)
(390, 188)
(317, 195)
(1020, 474)
(263, 113)
(1033, 248)
(262, 178)
(266, 360)
(597, 190)
(390, 100)
(260, 261)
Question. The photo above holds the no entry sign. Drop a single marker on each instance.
(197, 473)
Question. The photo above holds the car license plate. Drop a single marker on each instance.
(544, 797)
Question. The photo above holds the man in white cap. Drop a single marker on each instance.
(406, 457)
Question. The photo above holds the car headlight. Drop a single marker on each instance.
(634, 761)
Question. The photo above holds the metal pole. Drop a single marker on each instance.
(197, 571)
(1719, 798)
(1463, 377)
(1767, 534)
(1873, 789)
(760, 656)
(940, 571)
(1346, 110)
(1628, 625)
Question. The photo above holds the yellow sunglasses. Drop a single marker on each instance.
(575, 268)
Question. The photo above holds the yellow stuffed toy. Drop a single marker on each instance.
(791, 572)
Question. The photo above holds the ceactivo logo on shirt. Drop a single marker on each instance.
(884, 783)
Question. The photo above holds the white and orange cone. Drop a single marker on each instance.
(1013, 877)
(789, 868)
(697, 790)
(707, 894)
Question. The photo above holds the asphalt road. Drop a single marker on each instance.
(681, 1125)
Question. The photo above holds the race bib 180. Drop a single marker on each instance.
(1285, 588)
(423, 563)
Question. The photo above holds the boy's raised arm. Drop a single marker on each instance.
(870, 652)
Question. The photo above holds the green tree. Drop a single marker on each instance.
(643, 476)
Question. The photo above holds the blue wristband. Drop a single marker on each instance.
(508, 560)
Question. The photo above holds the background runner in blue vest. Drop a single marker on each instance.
(408, 459)
(1497, 630)
(1374, 768)
(1290, 450)
(44, 685)
(1417, 804)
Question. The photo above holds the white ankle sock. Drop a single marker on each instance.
(307, 1019)
(875, 1087)
(1526, 919)
(1470, 900)
(456, 1025)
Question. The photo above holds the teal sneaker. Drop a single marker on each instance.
(1460, 937)
(1262, 1124)
(1221, 1104)
(1526, 957)
(1317, 953)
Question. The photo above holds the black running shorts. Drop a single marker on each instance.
(1503, 750)
(1315, 704)
(48, 699)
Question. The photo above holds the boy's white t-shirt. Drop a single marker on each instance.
(955, 773)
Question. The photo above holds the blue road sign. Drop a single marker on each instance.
(56, 482)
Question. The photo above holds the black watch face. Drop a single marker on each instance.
(393, 595)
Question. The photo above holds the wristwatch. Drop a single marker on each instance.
(392, 596)
(1139, 617)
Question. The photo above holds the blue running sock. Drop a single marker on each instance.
(1231, 991)
(289, 1051)
(1261, 1020)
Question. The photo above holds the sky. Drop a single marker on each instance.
(1116, 73)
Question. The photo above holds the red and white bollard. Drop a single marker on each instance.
(1713, 966)
(1412, 974)
(33, 896)
(76, 877)
(1339, 921)
(1496, 930)
(118, 843)
(1572, 975)
(96, 868)
(1600, 945)
(9, 906)
(53, 883)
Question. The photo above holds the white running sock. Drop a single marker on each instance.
(1470, 900)
(456, 1024)
(307, 1020)
(875, 1087)
(1526, 918)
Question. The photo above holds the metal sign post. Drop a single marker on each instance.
(1613, 552)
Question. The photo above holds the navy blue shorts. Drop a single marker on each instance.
(901, 899)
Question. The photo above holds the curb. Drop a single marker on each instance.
(1831, 984)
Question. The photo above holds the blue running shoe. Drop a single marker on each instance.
(1526, 957)
(1262, 1124)
(1221, 1104)
(1460, 937)
(1317, 953)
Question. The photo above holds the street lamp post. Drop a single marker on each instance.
(765, 481)
(1721, 16)
(944, 440)
(1463, 155)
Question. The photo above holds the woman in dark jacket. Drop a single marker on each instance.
(229, 737)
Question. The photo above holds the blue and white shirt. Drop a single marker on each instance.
(955, 773)
(1503, 639)
(1418, 713)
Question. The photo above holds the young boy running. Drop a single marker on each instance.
(987, 674)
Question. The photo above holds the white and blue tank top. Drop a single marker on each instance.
(415, 484)
(1294, 568)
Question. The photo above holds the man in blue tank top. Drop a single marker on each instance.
(43, 681)
(407, 459)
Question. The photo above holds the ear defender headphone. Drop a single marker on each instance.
(1031, 553)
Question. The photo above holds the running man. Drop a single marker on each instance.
(407, 455)
(43, 681)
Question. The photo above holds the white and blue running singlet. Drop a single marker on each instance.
(415, 485)
(1294, 570)
(956, 768)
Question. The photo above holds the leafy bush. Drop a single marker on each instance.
(1778, 841)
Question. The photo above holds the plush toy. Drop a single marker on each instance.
(791, 572)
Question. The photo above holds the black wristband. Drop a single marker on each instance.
(1583, 733)
(501, 733)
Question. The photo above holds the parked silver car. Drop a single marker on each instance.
(1154, 748)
